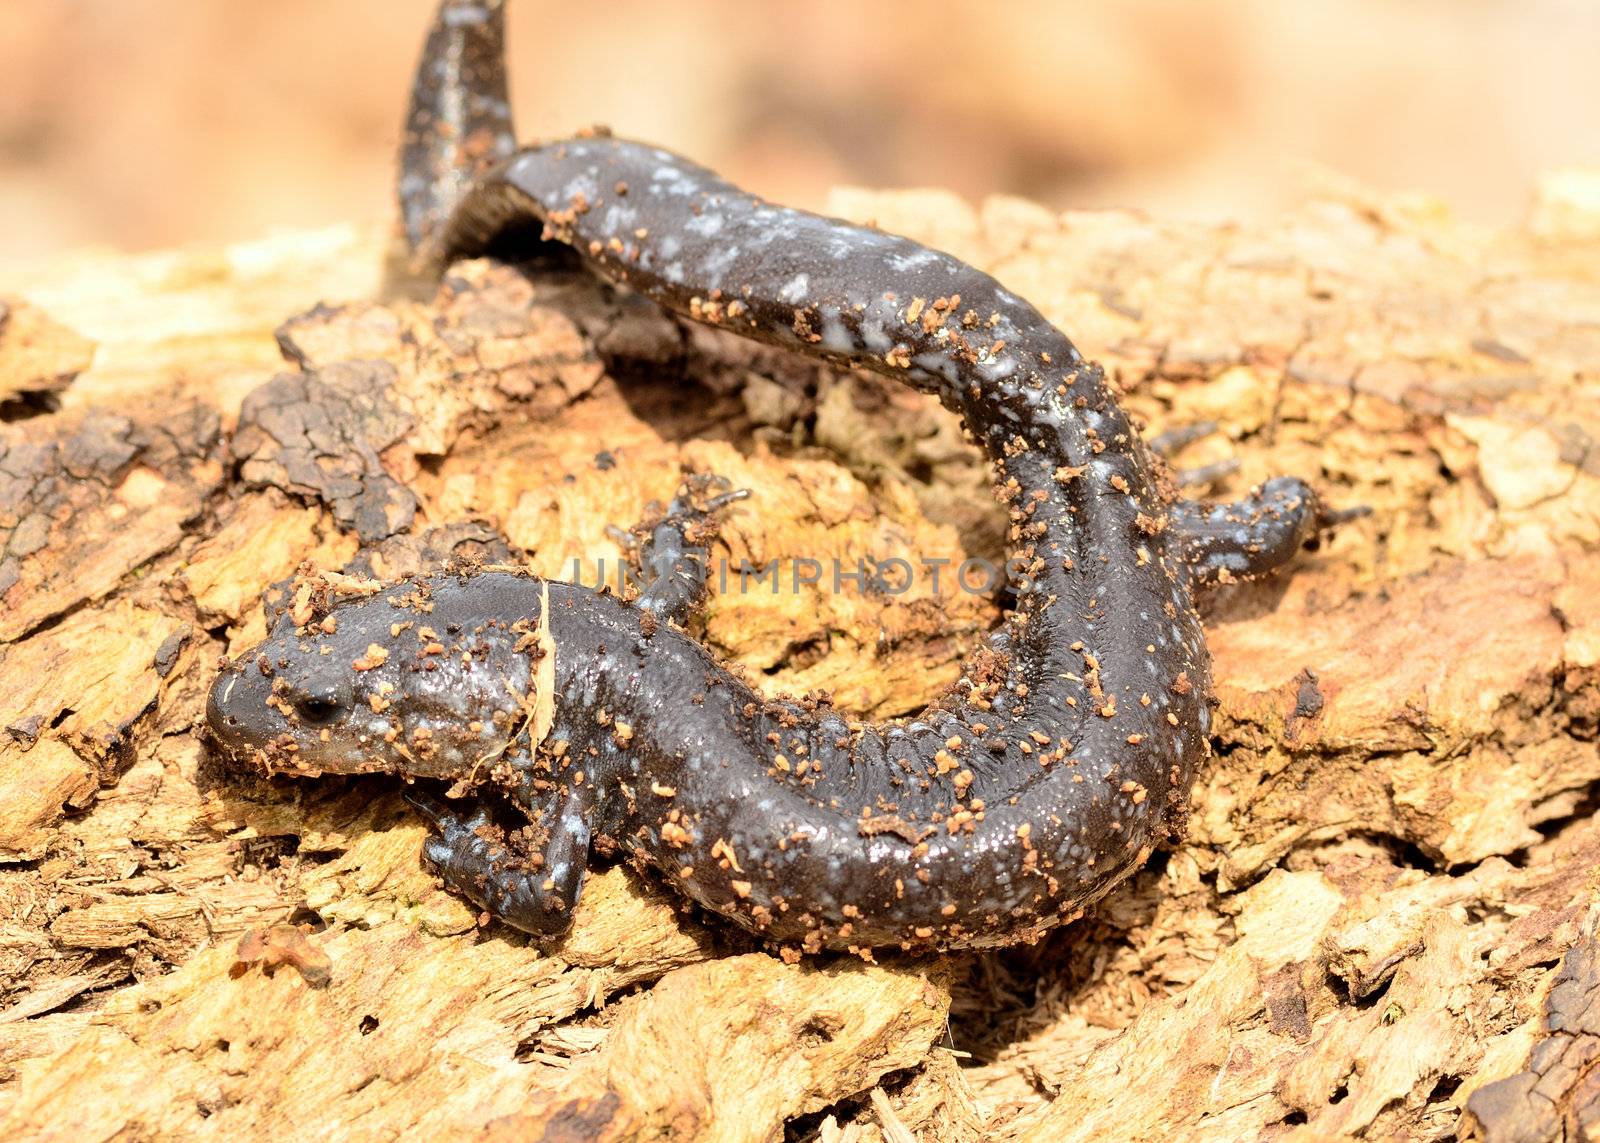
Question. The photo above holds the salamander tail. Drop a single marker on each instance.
(459, 120)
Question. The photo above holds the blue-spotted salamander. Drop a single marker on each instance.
(1039, 781)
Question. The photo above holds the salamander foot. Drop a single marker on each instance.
(530, 878)
(670, 547)
(1254, 535)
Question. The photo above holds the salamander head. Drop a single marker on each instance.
(434, 677)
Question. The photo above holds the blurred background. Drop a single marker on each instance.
(145, 123)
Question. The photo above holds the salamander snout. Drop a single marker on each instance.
(224, 711)
(254, 713)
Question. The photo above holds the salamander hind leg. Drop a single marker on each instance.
(1172, 441)
(672, 550)
(1252, 536)
(529, 877)
(1168, 443)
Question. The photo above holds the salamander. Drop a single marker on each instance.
(582, 726)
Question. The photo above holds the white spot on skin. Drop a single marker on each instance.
(580, 186)
(836, 338)
(839, 250)
(875, 338)
(463, 16)
(936, 363)
(997, 369)
(795, 290)
(619, 218)
(717, 265)
(902, 263)
(704, 225)
(673, 181)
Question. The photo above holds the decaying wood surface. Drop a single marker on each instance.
(1382, 924)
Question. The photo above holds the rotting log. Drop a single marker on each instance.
(1382, 922)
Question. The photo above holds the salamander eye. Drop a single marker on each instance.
(317, 710)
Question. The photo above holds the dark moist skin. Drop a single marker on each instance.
(1039, 781)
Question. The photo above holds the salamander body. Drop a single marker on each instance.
(1047, 774)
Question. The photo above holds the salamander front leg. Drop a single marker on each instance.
(1252, 536)
(530, 878)
(673, 551)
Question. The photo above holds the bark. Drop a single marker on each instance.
(1382, 922)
